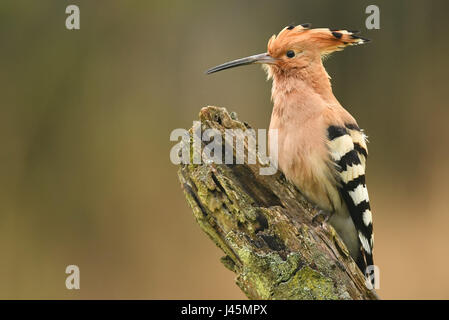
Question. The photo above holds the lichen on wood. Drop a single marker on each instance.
(264, 226)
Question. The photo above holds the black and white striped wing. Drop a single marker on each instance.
(347, 146)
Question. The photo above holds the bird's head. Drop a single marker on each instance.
(297, 47)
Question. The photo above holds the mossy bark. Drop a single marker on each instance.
(264, 226)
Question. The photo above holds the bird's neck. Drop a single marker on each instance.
(305, 89)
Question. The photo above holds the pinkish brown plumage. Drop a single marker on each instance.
(320, 146)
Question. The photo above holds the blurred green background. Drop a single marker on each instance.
(86, 115)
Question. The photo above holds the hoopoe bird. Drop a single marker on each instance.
(321, 149)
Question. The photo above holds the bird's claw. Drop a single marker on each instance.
(321, 217)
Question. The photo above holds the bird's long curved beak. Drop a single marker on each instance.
(258, 58)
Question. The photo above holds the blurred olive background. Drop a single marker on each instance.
(86, 115)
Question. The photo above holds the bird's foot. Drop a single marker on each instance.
(321, 217)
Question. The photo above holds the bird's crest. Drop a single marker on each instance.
(320, 40)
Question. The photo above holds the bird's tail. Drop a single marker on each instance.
(365, 263)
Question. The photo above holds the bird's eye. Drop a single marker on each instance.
(290, 53)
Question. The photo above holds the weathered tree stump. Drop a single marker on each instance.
(264, 226)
